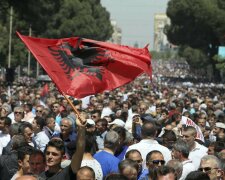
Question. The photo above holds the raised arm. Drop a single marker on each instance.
(80, 144)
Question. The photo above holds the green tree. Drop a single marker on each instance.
(51, 19)
(198, 24)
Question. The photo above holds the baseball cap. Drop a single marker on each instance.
(90, 122)
(220, 125)
(118, 122)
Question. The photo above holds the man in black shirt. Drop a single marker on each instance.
(54, 154)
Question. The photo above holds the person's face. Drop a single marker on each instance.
(53, 157)
(202, 122)
(18, 115)
(64, 103)
(56, 108)
(125, 107)
(164, 116)
(212, 121)
(175, 154)
(155, 161)
(170, 176)
(99, 107)
(2, 125)
(216, 131)
(130, 173)
(3, 112)
(210, 168)
(188, 137)
(211, 150)
(35, 125)
(25, 164)
(37, 164)
(28, 133)
(143, 109)
(95, 116)
(39, 111)
(90, 128)
(99, 127)
(137, 158)
(65, 127)
(51, 124)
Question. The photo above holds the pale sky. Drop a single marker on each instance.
(135, 18)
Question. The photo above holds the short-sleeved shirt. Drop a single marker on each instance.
(65, 174)
(108, 162)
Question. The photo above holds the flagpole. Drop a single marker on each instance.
(74, 108)
(28, 66)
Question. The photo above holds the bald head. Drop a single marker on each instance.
(26, 177)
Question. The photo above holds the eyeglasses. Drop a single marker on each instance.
(206, 169)
(93, 116)
(162, 162)
(18, 112)
(38, 111)
(55, 106)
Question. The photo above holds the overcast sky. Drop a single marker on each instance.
(135, 18)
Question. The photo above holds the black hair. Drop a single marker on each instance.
(195, 175)
(40, 121)
(57, 143)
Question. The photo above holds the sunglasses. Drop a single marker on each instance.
(38, 111)
(18, 112)
(93, 116)
(162, 162)
(206, 169)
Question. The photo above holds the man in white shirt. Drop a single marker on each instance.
(39, 137)
(197, 151)
(147, 144)
(181, 152)
(5, 123)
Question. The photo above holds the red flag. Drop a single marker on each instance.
(81, 67)
(44, 90)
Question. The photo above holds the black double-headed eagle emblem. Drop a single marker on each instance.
(87, 58)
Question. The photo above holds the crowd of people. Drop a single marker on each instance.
(133, 132)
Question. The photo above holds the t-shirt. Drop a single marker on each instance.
(108, 162)
(65, 174)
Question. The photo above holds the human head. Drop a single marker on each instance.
(39, 110)
(169, 138)
(85, 173)
(189, 134)
(96, 115)
(26, 130)
(18, 113)
(66, 126)
(23, 154)
(37, 162)
(6, 110)
(128, 168)
(18, 141)
(148, 130)
(165, 172)
(196, 175)
(54, 152)
(27, 177)
(154, 159)
(38, 124)
(5, 123)
(116, 176)
(178, 167)
(180, 150)
(101, 126)
(135, 155)
(111, 140)
(56, 108)
(211, 165)
(50, 122)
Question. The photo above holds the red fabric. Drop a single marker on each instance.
(45, 90)
(81, 67)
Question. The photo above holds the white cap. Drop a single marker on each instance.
(220, 125)
(91, 122)
(118, 122)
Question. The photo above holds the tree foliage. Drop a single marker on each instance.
(198, 24)
(51, 19)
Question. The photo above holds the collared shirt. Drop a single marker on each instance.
(100, 140)
(41, 140)
(197, 153)
(147, 145)
(4, 140)
(188, 167)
